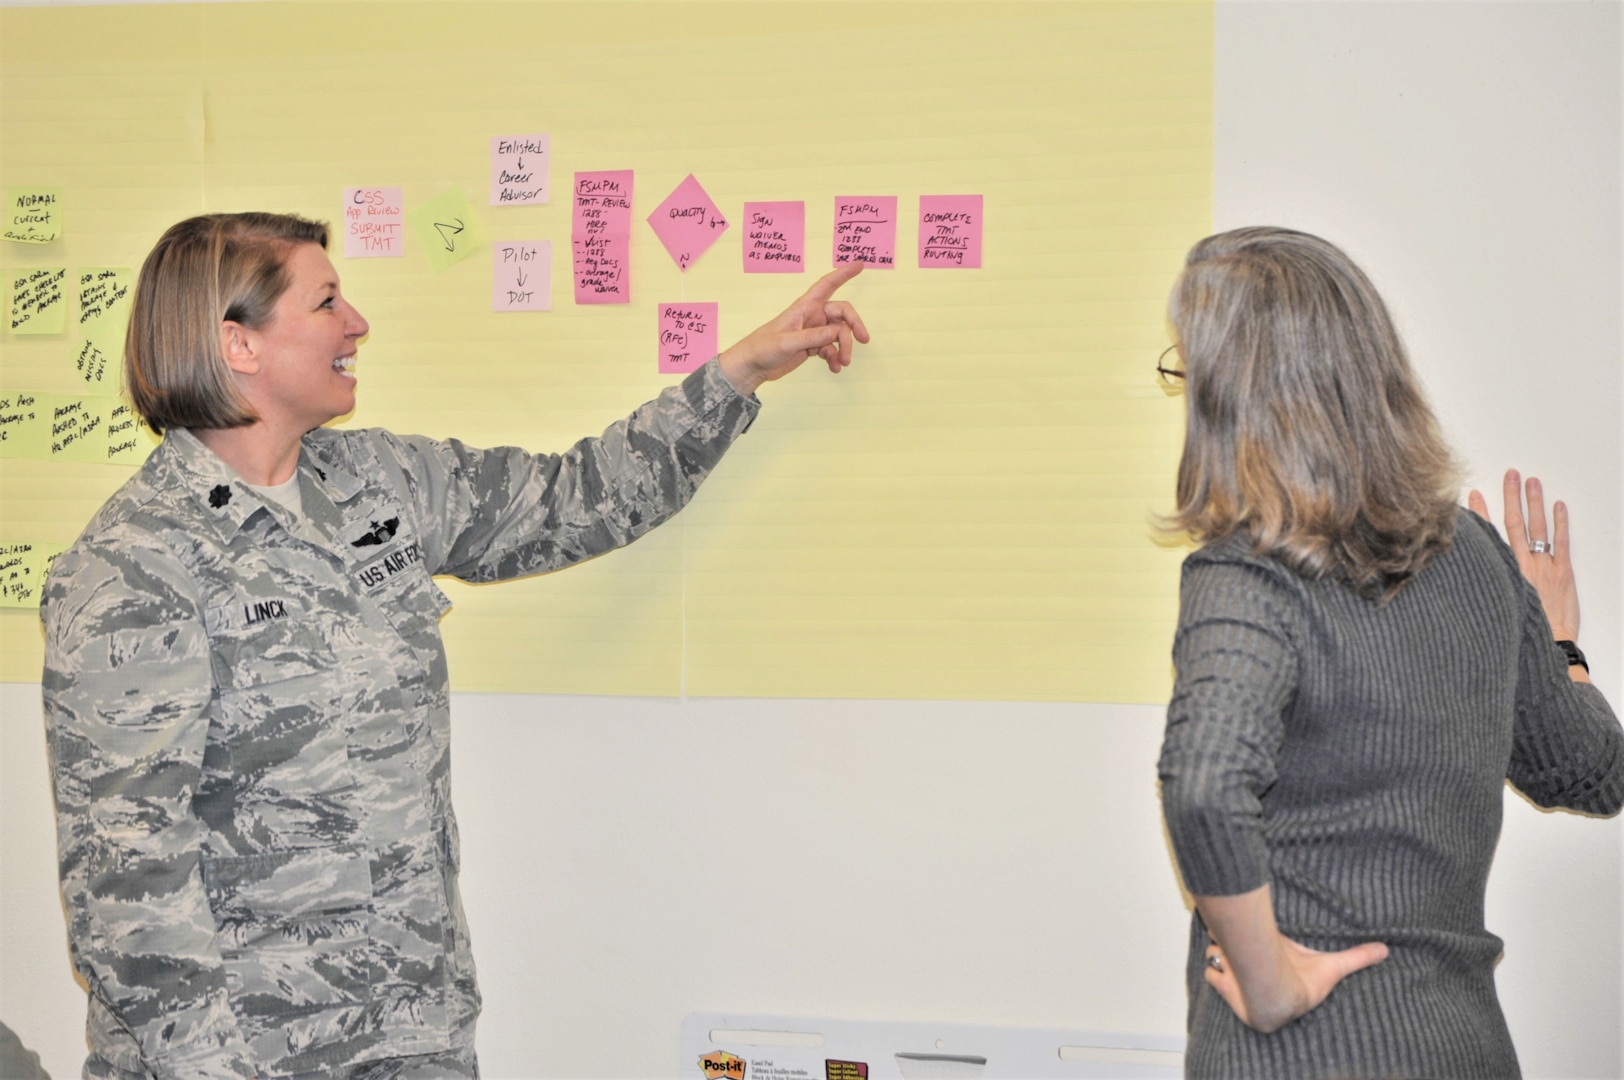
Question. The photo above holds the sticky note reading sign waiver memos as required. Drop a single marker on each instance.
(33, 215)
(522, 275)
(774, 237)
(950, 231)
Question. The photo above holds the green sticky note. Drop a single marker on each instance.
(104, 315)
(38, 300)
(78, 427)
(23, 424)
(445, 230)
(127, 443)
(33, 214)
(21, 573)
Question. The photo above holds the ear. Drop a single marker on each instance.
(239, 347)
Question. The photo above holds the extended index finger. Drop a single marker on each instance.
(823, 288)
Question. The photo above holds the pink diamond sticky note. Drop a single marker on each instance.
(950, 231)
(687, 223)
(601, 237)
(687, 337)
(374, 223)
(774, 237)
(522, 275)
(866, 230)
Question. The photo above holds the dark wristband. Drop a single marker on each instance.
(1574, 655)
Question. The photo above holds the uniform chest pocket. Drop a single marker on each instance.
(255, 641)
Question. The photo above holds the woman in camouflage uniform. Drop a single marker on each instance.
(245, 687)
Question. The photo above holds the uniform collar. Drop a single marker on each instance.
(229, 501)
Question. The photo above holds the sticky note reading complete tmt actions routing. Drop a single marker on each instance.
(950, 231)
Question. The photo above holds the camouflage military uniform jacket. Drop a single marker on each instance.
(248, 723)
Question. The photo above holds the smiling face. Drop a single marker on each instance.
(305, 355)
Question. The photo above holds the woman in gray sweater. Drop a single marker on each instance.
(1361, 664)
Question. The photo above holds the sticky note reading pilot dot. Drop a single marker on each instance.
(522, 275)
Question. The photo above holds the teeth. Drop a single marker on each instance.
(344, 365)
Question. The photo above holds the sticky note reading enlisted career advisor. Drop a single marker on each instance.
(866, 230)
(687, 337)
(687, 223)
(374, 223)
(522, 275)
(950, 231)
(519, 169)
(33, 214)
(774, 237)
(601, 237)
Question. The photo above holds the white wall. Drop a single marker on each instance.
(628, 860)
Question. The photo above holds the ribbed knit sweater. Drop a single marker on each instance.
(1353, 757)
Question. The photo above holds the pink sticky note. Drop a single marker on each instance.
(950, 231)
(519, 169)
(374, 223)
(687, 337)
(600, 236)
(866, 230)
(687, 223)
(774, 237)
(522, 275)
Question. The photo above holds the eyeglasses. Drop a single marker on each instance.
(1172, 377)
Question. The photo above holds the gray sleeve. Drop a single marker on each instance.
(486, 515)
(1236, 676)
(127, 683)
(1567, 748)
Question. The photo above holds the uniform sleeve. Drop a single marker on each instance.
(126, 685)
(1236, 675)
(1567, 748)
(486, 515)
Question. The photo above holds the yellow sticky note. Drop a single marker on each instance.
(38, 300)
(445, 229)
(104, 315)
(33, 214)
(78, 427)
(23, 424)
(127, 443)
(21, 573)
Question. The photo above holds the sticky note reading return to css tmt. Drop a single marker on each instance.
(687, 336)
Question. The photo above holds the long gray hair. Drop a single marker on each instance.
(1307, 432)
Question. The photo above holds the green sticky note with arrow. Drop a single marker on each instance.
(444, 228)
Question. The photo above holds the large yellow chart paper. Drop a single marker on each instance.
(965, 513)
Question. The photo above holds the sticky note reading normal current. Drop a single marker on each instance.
(601, 237)
(23, 424)
(950, 231)
(445, 229)
(522, 275)
(774, 237)
(520, 166)
(866, 230)
(687, 337)
(38, 300)
(687, 222)
(33, 214)
(374, 223)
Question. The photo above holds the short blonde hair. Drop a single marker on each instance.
(205, 271)
(1307, 431)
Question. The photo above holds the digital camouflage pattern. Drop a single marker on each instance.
(248, 719)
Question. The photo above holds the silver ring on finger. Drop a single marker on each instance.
(1216, 962)
(1540, 547)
